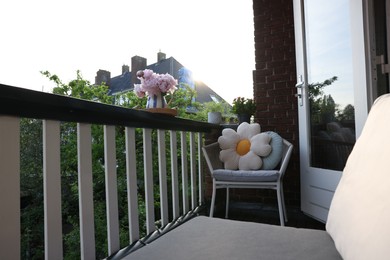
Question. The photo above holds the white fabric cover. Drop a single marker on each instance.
(359, 216)
(204, 238)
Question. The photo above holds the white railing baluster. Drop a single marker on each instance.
(194, 191)
(162, 168)
(52, 189)
(184, 171)
(174, 172)
(148, 170)
(132, 194)
(9, 187)
(200, 169)
(87, 226)
(111, 189)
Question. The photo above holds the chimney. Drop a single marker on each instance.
(125, 68)
(137, 63)
(103, 76)
(161, 56)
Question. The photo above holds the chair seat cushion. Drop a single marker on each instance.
(245, 176)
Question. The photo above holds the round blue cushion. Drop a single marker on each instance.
(273, 159)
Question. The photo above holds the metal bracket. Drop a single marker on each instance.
(380, 60)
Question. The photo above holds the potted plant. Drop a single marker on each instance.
(155, 86)
(214, 112)
(244, 108)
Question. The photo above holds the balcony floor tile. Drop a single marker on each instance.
(266, 213)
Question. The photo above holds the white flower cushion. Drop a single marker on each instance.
(273, 159)
(264, 147)
(359, 216)
(243, 149)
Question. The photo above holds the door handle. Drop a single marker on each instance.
(300, 85)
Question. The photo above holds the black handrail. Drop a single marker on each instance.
(21, 102)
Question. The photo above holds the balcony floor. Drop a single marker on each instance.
(265, 213)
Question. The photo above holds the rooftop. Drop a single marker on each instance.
(123, 82)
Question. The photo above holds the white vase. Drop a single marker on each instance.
(214, 117)
(156, 101)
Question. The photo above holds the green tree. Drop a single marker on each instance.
(31, 186)
(348, 113)
(80, 88)
(316, 89)
(328, 109)
(321, 106)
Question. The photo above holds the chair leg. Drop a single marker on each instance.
(280, 205)
(227, 202)
(283, 203)
(213, 200)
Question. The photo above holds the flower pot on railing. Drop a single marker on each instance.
(244, 118)
(155, 86)
(244, 108)
(214, 117)
(156, 101)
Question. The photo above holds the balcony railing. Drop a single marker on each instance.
(185, 170)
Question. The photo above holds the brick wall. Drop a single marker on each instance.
(274, 83)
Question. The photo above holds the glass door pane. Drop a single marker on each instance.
(330, 88)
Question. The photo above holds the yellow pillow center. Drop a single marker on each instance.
(243, 147)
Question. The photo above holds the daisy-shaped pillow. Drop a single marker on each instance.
(243, 149)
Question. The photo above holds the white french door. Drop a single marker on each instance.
(332, 94)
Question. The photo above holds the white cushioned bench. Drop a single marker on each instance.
(213, 238)
(358, 224)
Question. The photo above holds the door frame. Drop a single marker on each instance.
(370, 41)
(361, 61)
(324, 182)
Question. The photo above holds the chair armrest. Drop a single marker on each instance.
(287, 151)
(211, 154)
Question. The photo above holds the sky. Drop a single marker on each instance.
(329, 51)
(214, 39)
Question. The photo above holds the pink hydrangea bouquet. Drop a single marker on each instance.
(154, 84)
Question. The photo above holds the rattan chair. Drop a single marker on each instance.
(258, 179)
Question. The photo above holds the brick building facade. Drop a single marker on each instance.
(274, 81)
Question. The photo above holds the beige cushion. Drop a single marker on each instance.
(359, 216)
(222, 239)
